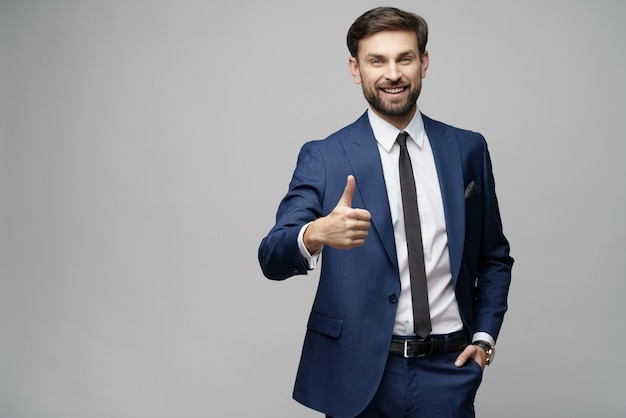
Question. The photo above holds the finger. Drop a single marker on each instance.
(348, 192)
(460, 360)
(463, 357)
(361, 215)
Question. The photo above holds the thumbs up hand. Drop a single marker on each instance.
(345, 227)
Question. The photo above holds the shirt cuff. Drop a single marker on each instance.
(310, 259)
(483, 336)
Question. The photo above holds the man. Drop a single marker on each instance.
(394, 331)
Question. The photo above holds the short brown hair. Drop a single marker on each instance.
(386, 19)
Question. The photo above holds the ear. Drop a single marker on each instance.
(425, 59)
(353, 66)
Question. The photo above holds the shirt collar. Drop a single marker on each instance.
(386, 134)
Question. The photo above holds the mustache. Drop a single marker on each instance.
(389, 85)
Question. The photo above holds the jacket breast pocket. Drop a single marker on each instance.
(325, 325)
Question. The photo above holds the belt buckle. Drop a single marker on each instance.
(407, 347)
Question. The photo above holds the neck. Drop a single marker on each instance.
(399, 122)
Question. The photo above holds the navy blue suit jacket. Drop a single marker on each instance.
(351, 321)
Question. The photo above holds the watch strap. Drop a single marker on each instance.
(484, 345)
(489, 349)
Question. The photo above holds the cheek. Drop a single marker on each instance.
(369, 80)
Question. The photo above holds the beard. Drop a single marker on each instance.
(392, 109)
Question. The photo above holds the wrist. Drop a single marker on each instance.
(312, 244)
(488, 348)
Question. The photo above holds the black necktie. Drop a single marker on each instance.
(419, 289)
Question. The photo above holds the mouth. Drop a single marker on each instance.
(393, 90)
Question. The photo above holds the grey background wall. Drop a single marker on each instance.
(144, 146)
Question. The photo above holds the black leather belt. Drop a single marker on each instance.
(410, 348)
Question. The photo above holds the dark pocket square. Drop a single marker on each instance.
(471, 190)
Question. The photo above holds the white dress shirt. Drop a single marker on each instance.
(444, 310)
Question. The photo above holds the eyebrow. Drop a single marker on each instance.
(401, 54)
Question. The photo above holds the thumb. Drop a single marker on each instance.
(348, 192)
(461, 359)
(465, 356)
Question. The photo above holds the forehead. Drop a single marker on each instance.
(388, 43)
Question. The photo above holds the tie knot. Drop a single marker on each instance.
(401, 139)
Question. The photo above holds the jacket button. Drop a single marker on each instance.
(393, 298)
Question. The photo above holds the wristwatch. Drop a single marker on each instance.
(489, 349)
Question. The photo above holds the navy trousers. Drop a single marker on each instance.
(426, 387)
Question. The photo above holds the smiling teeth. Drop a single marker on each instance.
(393, 91)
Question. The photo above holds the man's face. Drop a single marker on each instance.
(390, 71)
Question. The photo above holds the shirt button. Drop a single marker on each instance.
(393, 298)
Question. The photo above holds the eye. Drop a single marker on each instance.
(376, 61)
(406, 59)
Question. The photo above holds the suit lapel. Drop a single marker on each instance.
(450, 172)
(362, 151)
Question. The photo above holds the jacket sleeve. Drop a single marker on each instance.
(279, 255)
(494, 263)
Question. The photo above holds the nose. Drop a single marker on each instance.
(392, 72)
